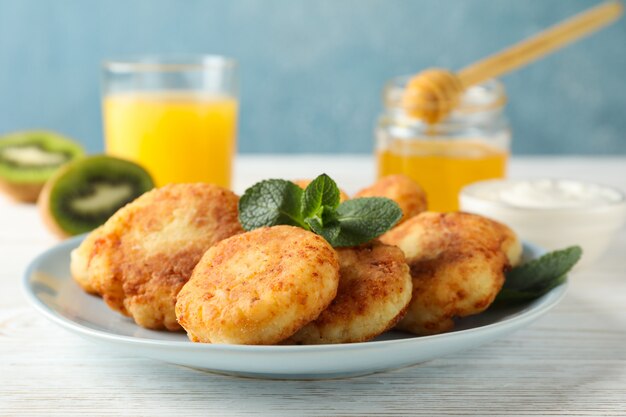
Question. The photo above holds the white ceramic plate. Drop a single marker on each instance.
(52, 291)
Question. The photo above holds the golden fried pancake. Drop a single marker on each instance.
(407, 193)
(141, 257)
(259, 287)
(303, 183)
(79, 264)
(457, 263)
(374, 292)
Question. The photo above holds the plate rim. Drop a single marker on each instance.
(545, 303)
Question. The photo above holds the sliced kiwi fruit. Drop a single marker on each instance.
(28, 159)
(84, 193)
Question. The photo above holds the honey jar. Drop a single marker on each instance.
(471, 144)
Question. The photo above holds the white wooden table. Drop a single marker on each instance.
(571, 362)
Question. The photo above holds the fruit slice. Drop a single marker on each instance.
(83, 194)
(28, 159)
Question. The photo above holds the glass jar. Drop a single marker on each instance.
(471, 144)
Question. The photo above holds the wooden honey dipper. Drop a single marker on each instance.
(432, 94)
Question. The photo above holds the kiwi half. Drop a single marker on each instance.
(84, 193)
(28, 159)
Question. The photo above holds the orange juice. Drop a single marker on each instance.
(442, 168)
(177, 136)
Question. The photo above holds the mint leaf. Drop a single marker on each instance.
(328, 231)
(320, 193)
(269, 203)
(536, 273)
(324, 217)
(362, 219)
(317, 208)
(537, 277)
(510, 296)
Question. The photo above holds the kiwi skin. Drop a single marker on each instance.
(22, 193)
(26, 189)
(43, 204)
(46, 198)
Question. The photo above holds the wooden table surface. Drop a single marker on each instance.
(571, 362)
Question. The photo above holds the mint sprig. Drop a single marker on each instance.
(362, 219)
(537, 277)
(322, 192)
(271, 202)
(317, 209)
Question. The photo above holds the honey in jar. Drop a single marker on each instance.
(471, 144)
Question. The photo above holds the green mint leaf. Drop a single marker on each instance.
(317, 208)
(270, 203)
(328, 231)
(536, 274)
(537, 277)
(324, 217)
(363, 219)
(321, 192)
(510, 296)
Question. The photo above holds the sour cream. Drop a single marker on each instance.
(545, 193)
(552, 213)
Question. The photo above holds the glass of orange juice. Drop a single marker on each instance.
(177, 117)
(471, 144)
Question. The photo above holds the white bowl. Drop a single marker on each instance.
(576, 213)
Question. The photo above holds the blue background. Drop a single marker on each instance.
(312, 71)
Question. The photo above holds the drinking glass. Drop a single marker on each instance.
(175, 116)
